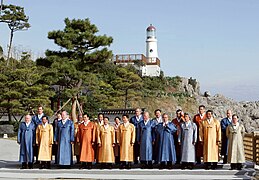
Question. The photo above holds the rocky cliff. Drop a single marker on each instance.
(248, 112)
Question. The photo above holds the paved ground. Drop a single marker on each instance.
(9, 169)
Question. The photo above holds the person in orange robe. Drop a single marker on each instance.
(177, 122)
(197, 119)
(86, 139)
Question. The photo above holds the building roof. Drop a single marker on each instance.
(151, 28)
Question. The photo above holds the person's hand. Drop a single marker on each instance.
(99, 145)
(218, 142)
(56, 142)
(113, 144)
(93, 144)
(72, 142)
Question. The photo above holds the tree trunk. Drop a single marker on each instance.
(126, 99)
(10, 46)
(73, 112)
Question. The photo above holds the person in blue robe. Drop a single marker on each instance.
(165, 140)
(64, 137)
(135, 120)
(26, 140)
(224, 145)
(146, 139)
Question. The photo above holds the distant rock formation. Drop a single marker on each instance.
(248, 112)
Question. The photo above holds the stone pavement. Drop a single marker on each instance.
(9, 169)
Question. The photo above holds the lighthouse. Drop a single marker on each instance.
(152, 67)
(151, 44)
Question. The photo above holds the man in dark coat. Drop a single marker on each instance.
(224, 145)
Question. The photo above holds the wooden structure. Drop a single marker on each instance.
(251, 145)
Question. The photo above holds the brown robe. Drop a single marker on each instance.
(86, 136)
(198, 146)
(76, 145)
(177, 146)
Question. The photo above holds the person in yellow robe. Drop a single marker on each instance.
(210, 137)
(44, 140)
(126, 140)
(106, 142)
(98, 123)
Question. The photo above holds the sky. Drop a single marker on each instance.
(213, 41)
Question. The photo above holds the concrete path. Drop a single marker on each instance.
(9, 169)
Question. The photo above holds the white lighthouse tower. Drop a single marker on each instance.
(152, 67)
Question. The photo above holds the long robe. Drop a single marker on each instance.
(98, 124)
(126, 139)
(76, 145)
(65, 136)
(136, 147)
(26, 139)
(236, 153)
(177, 146)
(210, 135)
(198, 147)
(86, 136)
(146, 137)
(165, 142)
(44, 139)
(116, 147)
(188, 138)
(106, 137)
(224, 140)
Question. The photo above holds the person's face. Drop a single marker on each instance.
(234, 119)
(85, 118)
(229, 114)
(186, 118)
(201, 110)
(165, 118)
(59, 116)
(179, 114)
(209, 115)
(125, 119)
(146, 116)
(158, 114)
(64, 115)
(27, 119)
(105, 121)
(44, 120)
(100, 117)
(117, 120)
(138, 112)
(40, 110)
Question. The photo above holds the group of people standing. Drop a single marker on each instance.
(139, 139)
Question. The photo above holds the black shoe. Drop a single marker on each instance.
(30, 165)
(122, 167)
(24, 166)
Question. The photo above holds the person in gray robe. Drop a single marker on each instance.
(187, 138)
(236, 153)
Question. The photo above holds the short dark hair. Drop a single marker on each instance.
(45, 117)
(157, 110)
(209, 111)
(106, 117)
(117, 117)
(201, 106)
(178, 110)
(126, 115)
(86, 114)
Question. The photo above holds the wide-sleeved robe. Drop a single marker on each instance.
(44, 139)
(146, 137)
(224, 140)
(116, 147)
(106, 137)
(76, 145)
(126, 139)
(177, 146)
(64, 136)
(165, 142)
(86, 136)
(26, 139)
(236, 153)
(188, 137)
(197, 119)
(210, 135)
